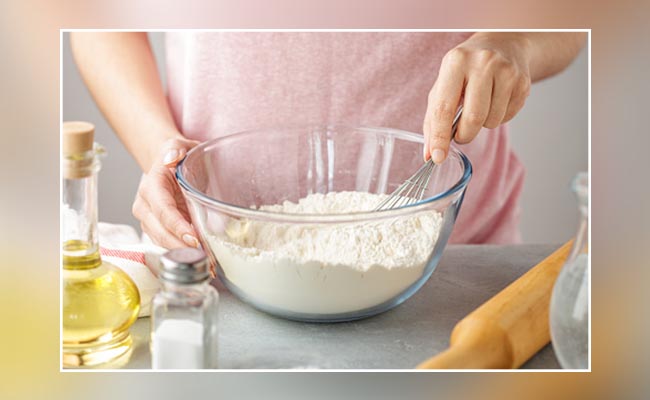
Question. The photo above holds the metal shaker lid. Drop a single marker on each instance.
(184, 265)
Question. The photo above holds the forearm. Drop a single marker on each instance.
(552, 52)
(120, 71)
(548, 53)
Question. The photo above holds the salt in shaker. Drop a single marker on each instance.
(184, 313)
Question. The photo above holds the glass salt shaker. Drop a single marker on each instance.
(569, 312)
(184, 313)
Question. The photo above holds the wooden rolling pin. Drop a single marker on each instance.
(509, 328)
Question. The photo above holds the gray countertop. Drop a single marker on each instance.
(401, 338)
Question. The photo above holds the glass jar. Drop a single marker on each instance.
(569, 313)
(184, 313)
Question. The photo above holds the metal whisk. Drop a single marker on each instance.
(412, 190)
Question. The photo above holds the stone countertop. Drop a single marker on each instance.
(467, 276)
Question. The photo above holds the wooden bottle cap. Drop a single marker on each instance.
(78, 137)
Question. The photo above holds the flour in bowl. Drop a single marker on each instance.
(326, 268)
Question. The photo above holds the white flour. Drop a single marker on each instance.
(326, 269)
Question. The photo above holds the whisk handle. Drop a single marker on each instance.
(454, 124)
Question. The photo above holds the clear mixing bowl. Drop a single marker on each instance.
(224, 180)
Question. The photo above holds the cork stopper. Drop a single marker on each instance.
(78, 137)
(77, 141)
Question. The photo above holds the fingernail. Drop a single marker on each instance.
(190, 240)
(438, 156)
(170, 157)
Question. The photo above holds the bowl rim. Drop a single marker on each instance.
(229, 208)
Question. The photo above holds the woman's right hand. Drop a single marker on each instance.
(159, 204)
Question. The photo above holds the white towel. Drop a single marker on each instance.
(137, 257)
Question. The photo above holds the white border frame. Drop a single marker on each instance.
(84, 370)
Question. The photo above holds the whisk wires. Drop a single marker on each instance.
(412, 190)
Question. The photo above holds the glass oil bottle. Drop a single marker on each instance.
(99, 301)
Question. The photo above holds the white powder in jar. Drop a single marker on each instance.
(177, 344)
(326, 268)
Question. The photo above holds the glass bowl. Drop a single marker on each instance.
(226, 180)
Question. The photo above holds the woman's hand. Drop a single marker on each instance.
(490, 72)
(159, 204)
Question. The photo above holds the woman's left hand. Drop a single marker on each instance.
(490, 72)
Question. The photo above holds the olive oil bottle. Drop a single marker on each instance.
(99, 301)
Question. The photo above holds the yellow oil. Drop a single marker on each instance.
(100, 303)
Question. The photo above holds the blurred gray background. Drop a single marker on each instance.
(550, 136)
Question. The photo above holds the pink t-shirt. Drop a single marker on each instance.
(225, 82)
